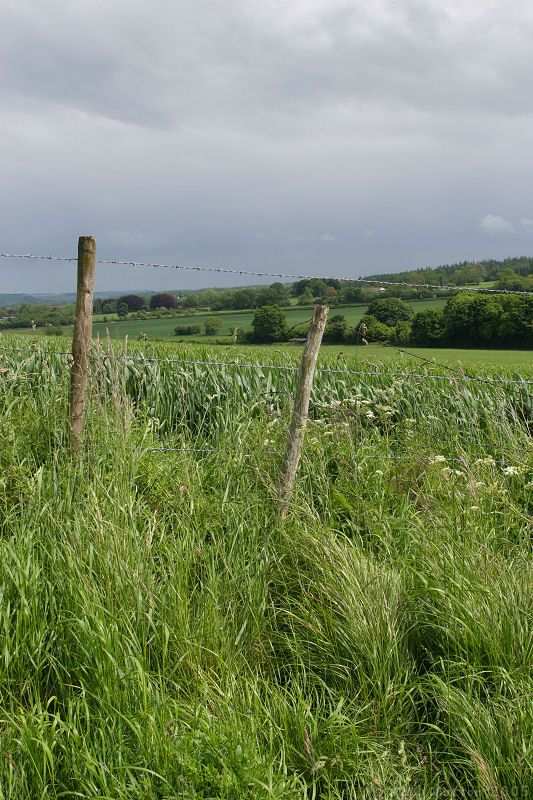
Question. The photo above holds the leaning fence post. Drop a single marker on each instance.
(82, 338)
(301, 407)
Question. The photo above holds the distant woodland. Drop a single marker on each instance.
(468, 318)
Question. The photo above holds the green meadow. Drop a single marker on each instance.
(166, 635)
(163, 329)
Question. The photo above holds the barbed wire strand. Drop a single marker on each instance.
(410, 457)
(282, 368)
(431, 460)
(181, 450)
(266, 274)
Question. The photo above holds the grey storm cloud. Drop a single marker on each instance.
(335, 136)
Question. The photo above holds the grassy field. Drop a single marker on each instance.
(165, 635)
(163, 328)
(499, 360)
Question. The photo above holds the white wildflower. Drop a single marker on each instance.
(455, 472)
(370, 415)
(438, 460)
(512, 470)
(379, 473)
(488, 462)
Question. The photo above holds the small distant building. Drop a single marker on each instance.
(297, 340)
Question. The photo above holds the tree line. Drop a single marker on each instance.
(511, 275)
(467, 320)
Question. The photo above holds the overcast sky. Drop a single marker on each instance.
(335, 137)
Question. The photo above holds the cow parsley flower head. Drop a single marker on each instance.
(488, 462)
(512, 470)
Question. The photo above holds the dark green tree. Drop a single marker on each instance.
(489, 320)
(269, 324)
(352, 294)
(390, 310)
(306, 299)
(244, 298)
(336, 330)
(428, 327)
(277, 294)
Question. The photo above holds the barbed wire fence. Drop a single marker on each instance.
(267, 274)
(458, 376)
(82, 353)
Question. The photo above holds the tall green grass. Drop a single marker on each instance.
(165, 636)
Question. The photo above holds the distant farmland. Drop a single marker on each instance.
(164, 328)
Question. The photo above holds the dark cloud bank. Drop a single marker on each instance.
(324, 136)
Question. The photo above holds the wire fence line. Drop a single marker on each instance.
(361, 457)
(364, 456)
(266, 274)
(420, 458)
(497, 381)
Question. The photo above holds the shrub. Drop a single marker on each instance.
(336, 330)
(401, 333)
(213, 325)
(187, 330)
(376, 331)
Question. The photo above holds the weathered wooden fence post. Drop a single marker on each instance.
(301, 407)
(82, 338)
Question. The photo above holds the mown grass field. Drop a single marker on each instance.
(166, 636)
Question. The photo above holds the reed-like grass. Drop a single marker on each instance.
(165, 636)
